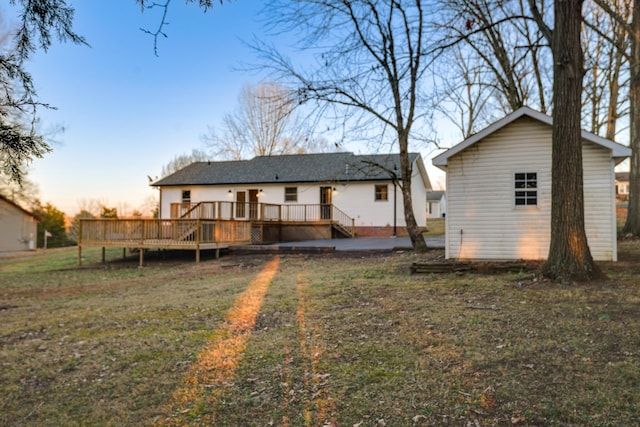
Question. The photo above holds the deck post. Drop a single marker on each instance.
(141, 257)
(80, 244)
(104, 254)
(124, 253)
(198, 235)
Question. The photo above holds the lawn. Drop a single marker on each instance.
(315, 340)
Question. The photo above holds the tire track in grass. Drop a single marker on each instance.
(319, 409)
(215, 367)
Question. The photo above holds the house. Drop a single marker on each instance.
(436, 204)
(362, 187)
(499, 191)
(622, 185)
(18, 227)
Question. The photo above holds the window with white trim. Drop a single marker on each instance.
(291, 194)
(382, 193)
(186, 196)
(526, 188)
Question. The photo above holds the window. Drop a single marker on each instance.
(382, 193)
(526, 188)
(290, 194)
(186, 196)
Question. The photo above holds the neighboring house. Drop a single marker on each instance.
(436, 204)
(361, 186)
(18, 227)
(499, 191)
(622, 185)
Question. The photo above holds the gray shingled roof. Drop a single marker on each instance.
(434, 195)
(325, 167)
(622, 176)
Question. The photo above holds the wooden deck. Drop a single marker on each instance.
(184, 234)
(207, 225)
(267, 212)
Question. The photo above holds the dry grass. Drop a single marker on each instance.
(313, 341)
(435, 227)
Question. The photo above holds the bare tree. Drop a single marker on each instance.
(163, 6)
(506, 45)
(25, 192)
(460, 92)
(370, 58)
(605, 97)
(569, 254)
(264, 123)
(629, 19)
(182, 160)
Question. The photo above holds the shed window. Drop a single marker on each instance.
(526, 188)
(186, 196)
(291, 194)
(382, 193)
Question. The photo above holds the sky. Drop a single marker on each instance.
(126, 112)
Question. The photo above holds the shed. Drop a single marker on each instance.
(499, 191)
(18, 227)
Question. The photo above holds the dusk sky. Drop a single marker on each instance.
(126, 112)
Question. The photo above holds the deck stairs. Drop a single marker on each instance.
(188, 232)
(344, 231)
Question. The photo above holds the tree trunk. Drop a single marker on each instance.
(415, 234)
(569, 255)
(632, 224)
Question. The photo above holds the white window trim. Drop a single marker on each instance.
(285, 195)
(515, 190)
(375, 193)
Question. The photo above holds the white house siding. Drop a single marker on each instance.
(17, 229)
(482, 219)
(433, 209)
(419, 197)
(437, 208)
(356, 199)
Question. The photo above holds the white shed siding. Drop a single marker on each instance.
(482, 219)
(599, 202)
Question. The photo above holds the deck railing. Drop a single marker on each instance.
(176, 232)
(245, 211)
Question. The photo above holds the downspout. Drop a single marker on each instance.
(395, 210)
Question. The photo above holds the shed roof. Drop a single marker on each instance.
(618, 151)
(17, 206)
(294, 168)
